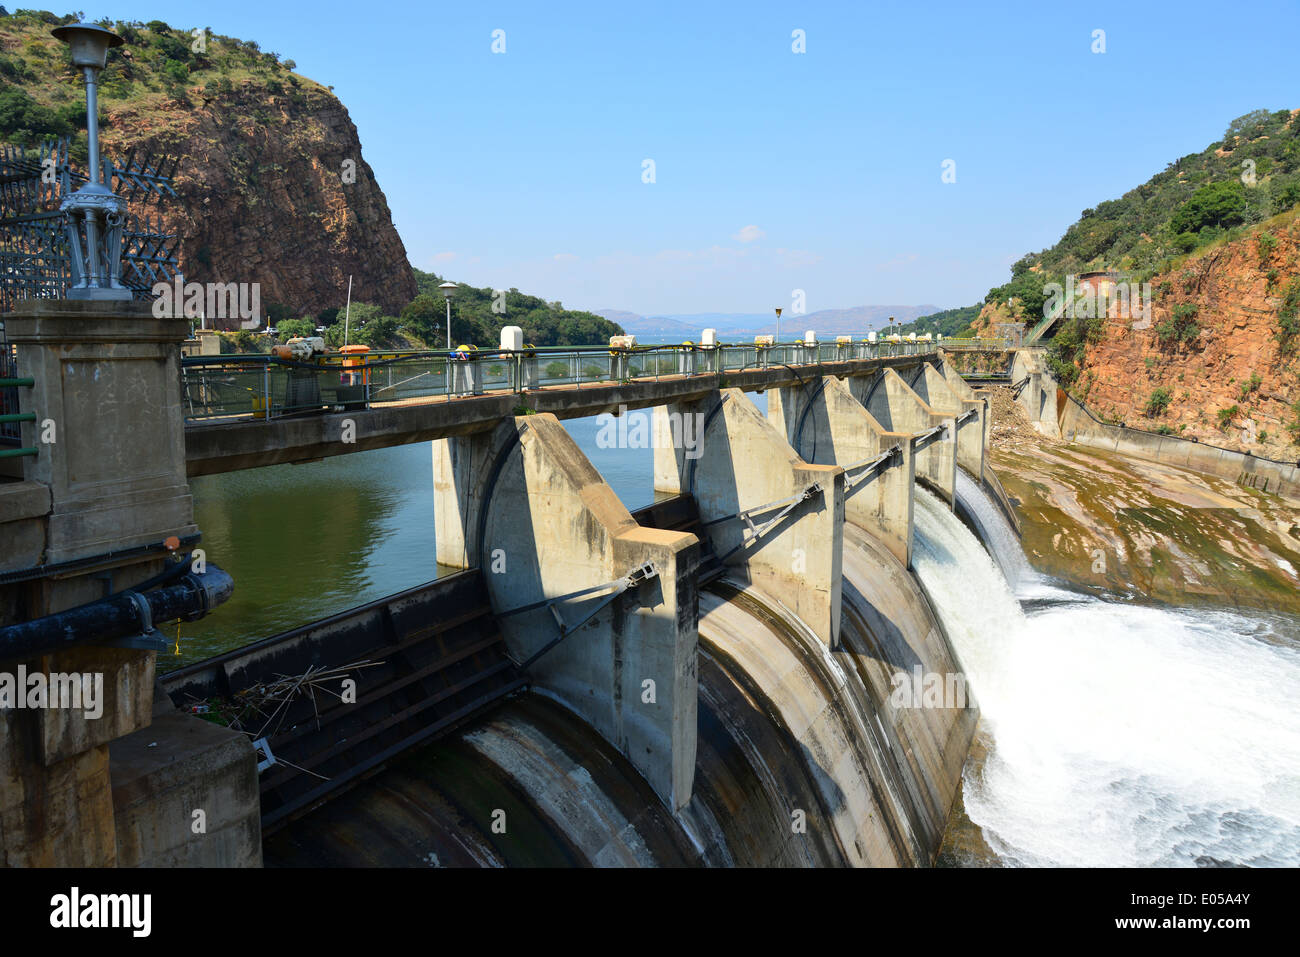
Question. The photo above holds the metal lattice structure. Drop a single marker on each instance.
(34, 254)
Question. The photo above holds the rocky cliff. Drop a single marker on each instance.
(1217, 361)
(263, 197)
(273, 187)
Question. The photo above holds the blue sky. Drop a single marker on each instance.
(525, 168)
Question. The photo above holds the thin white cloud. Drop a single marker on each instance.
(443, 257)
(748, 234)
(565, 258)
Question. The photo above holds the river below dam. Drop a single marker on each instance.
(1112, 732)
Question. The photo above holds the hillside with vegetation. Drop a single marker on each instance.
(1217, 238)
(272, 186)
(477, 317)
(946, 322)
(1217, 195)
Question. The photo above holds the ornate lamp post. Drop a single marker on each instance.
(778, 326)
(95, 213)
(448, 290)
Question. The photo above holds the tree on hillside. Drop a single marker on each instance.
(1219, 204)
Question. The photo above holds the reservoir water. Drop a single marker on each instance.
(1112, 733)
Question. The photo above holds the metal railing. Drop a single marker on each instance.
(11, 419)
(263, 386)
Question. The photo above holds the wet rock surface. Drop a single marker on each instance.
(1108, 522)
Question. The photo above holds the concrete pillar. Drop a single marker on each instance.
(898, 408)
(525, 505)
(933, 387)
(108, 477)
(107, 377)
(827, 426)
(741, 462)
(1038, 396)
(963, 390)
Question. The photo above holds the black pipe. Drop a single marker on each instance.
(124, 614)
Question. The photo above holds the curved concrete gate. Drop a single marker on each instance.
(609, 617)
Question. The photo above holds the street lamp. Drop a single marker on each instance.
(448, 290)
(94, 210)
(778, 325)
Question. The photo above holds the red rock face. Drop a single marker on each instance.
(263, 197)
(1237, 311)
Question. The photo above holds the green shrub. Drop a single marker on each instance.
(1158, 402)
(1226, 416)
(1216, 205)
(1288, 317)
(1266, 243)
(288, 328)
(1181, 327)
(1251, 385)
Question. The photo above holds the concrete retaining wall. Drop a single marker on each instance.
(1076, 425)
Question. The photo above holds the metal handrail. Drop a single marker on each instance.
(262, 385)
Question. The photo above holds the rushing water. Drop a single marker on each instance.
(1116, 734)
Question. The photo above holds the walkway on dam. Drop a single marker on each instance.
(251, 411)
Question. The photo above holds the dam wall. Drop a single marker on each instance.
(784, 630)
(969, 414)
(553, 540)
(774, 518)
(802, 758)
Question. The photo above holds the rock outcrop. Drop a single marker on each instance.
(264, 195)
(1233, 383)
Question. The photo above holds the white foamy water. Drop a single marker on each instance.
(1121, 735)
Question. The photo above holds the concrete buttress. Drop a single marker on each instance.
(827, 426)
(526, 506)
(934, 388)
(893, 403)
(741, 464)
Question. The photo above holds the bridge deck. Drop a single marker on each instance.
(226, 444)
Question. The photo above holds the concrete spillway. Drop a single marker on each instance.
(785, 726)
(747, 692)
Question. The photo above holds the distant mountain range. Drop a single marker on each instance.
(855, 320)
